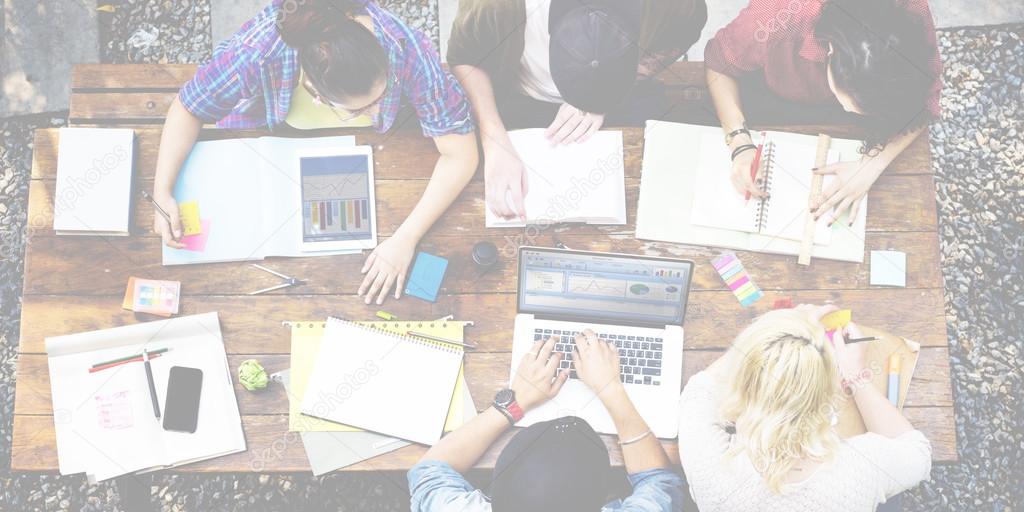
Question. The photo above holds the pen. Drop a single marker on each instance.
(894, 379)
(438, 338)
(164, 214)
(135, 359)
(131, 357)
(152, 386)
(858, 340)
(754, 166)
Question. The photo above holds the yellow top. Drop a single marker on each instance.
(305, 114)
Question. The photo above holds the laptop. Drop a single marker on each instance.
(636, 302)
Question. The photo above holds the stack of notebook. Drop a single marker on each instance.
(342, 371)
(94, 182)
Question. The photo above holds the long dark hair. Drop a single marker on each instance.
(339, 55)
(881, 55)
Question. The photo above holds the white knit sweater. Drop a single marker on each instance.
(867, 469)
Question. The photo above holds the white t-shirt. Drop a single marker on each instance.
(867, 470)
(535, 79)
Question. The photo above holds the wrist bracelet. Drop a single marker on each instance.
(731, 135)
(635, 439)
(741, 149)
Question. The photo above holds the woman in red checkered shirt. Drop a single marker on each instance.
(874, 58)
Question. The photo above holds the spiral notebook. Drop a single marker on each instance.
(383, 382)
(786, 161)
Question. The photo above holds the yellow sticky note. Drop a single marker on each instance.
(189, 212)
(837, 319)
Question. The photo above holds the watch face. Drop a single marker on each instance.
(504, 397)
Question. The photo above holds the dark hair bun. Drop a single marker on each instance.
(303, 23)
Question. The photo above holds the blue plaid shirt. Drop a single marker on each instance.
(249, 81)
(436, 487)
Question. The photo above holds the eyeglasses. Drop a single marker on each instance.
(349, 114)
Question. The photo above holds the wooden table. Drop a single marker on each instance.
(75, 284)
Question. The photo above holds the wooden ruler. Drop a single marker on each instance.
(820, 160)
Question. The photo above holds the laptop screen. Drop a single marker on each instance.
(603, 286)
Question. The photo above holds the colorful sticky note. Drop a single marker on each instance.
(154, 296)
(737, 278)
(426, 276)
(888, 268)
(189, 213)
(197, 242)
(837, 319)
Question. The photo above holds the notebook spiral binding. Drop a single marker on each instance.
(768, 161)
(445, 347)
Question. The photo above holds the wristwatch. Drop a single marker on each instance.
(731, 135)
(505, 403)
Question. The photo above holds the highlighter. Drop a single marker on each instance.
(894, 379)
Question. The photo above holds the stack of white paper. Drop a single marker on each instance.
(104, 420)
(582, 182)
(94, 182)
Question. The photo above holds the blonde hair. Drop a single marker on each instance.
(781, 399)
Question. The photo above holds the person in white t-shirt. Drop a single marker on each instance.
(571, 66)
(756, 428)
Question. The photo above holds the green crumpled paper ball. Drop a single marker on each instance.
(252, 375)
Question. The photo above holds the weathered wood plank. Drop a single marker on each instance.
(251, 325)
(134, 76)
(136, 106)
(91, 266)
(272, 449)
(486, 373)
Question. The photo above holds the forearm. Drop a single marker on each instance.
(725, 94)
(480, 91)
(894, 147)
(463, 447)
(641, 455)
(181, 129)
(880, 416)
(453, 170)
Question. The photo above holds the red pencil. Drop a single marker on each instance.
(119, 363)
(754, 166)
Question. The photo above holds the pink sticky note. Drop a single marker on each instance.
(197, 243)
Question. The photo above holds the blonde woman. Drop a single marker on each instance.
(756, 427)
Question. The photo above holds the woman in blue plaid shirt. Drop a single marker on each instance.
(349, 60)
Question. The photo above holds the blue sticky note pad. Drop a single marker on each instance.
(427, 273)
(888, 268)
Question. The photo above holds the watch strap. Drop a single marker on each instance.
(516, 411)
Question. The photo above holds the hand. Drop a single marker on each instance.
(852, 182)
(597, 363)
(740, 173)
(504, 174)
(851, 358)
(536, 380)
(573, 125)
(169, 233)
(386, 267)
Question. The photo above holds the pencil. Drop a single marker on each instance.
(160, 210)
(135, 359)
(438, 338)
(133, 356)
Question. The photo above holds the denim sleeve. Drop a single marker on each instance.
(655, 490)
(434, 486)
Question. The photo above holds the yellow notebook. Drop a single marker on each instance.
(306, 338)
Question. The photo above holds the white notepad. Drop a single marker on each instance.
(582, 182)
(382, 382)
(94, 182)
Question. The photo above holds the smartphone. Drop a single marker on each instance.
(181, 406)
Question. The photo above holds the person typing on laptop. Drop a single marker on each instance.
(556, 465)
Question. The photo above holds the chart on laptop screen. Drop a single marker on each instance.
(599, 286)
(335, 198)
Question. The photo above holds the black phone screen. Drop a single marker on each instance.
(181, 406)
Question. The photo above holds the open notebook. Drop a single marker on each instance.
(850, 421)
(104, 420)
(786, 162)
(582, 182)
(686, 196)
(383, 382)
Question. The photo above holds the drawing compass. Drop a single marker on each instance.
(288, 281)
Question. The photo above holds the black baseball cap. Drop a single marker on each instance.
(558, 465)
(594, 50)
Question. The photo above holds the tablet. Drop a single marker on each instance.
(338, 207)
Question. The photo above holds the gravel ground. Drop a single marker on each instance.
(979, 159)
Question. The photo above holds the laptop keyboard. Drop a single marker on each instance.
(639, 356)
